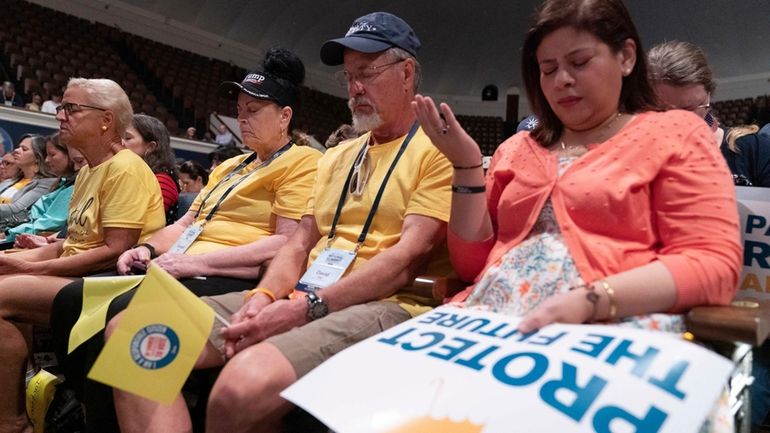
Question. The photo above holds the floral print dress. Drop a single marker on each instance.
(541, 266)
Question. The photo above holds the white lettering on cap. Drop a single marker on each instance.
(255, 79)
(361, 27)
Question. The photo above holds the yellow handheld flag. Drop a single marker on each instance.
(98, 292)
(155, 346)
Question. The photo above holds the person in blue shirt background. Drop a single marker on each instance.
(49, 213)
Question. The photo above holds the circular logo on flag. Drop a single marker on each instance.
(154, 346)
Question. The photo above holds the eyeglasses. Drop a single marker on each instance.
(365, 77)
(704, 111)
(701, 110)
(360, 174)
(71, 107)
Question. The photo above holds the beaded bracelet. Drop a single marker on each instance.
(461, 189)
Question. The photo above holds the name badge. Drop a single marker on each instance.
(326, 270)
(189, 235)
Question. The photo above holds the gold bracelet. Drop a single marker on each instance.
(263, 290)
(611, 299)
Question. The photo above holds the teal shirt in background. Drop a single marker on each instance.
(49, 213)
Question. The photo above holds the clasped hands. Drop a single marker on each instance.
(259, 318)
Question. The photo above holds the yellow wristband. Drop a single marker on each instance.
(253, 292)
(611, 299)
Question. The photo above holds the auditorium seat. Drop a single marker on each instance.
(30, 85)
(173, 126)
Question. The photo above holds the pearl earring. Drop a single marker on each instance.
(104, 127)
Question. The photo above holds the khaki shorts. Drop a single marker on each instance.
(308, 346)
(225, 305)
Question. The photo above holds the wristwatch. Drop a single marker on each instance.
(316, 307)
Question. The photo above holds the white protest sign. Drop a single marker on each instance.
(754, 212)
(459, 370)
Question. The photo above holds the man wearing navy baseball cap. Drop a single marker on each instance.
(372, 33)
(374, 45)
(376, 220)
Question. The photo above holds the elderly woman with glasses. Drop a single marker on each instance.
(249, 208)
(116, 203)
(682, 79)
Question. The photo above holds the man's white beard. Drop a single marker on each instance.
(364, 122)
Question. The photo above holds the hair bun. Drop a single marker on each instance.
(282, 63)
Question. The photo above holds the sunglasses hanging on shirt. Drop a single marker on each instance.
(361, 171)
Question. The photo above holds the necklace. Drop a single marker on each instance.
(573, 150)
(580, 149)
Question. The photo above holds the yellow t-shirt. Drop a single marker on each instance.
(248, 213)
(121, 192)
(420, 185)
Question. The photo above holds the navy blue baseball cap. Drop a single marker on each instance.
(372, 33)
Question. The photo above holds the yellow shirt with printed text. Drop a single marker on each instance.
(420, 184)
(121, 192)
(248, 213)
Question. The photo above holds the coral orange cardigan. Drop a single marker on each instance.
(657, 190)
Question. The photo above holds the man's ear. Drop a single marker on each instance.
(409, 74)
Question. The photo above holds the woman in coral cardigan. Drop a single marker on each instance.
(609, 210)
